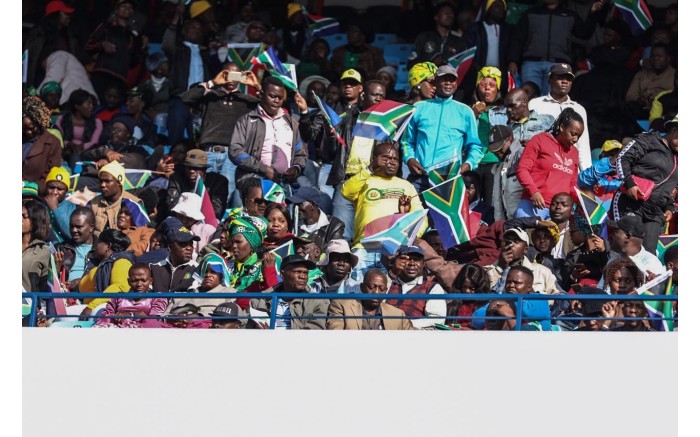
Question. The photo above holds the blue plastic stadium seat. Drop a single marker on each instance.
(395, 54)
(337, 40)
(402, 73)
(381, 40)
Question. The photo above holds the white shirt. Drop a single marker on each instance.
(492, 33)
(548, 105)
(558, 251)
(434, 307)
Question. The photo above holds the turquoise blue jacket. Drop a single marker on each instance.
(441, 130)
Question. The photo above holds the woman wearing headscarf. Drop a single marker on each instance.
(111, 272)
(489, 111)
(133, 221)
(421, 79)
(250, 271)
(41, 150)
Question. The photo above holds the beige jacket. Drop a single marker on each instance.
(106, 214)
(349, 316)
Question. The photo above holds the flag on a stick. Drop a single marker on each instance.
(443, 171)
(635, 13)
(331, 118)
(462, 62)
(25, 65)
(136, 178)
(269, 61)
(55, 287)
(322, 26)
(595, 213)
(383, 120)
(393, 231)
(207, 207)
(448, 204)
(664, 243)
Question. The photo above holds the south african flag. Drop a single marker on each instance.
(443, 171)
(448, 204)
(664, 243)
(383, 120)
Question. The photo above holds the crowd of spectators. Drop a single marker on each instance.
(562, 97)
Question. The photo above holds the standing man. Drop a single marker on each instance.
(222, 104)
(561, 77)
(266, 141)
(523, 121)
(507, 190)
(378, 194)
(542, 37)
(441, 130)
(440, 40)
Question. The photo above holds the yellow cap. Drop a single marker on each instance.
(351, 74)
(59, 174)
(292, 9)
(611, 145)
(116, 170)
(199, 7)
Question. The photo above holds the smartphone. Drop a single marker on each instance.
(235, 76)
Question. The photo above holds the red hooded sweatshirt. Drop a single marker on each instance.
(547, 167)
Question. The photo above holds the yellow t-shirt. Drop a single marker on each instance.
(376, 197)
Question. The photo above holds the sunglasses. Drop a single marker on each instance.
(259, 201)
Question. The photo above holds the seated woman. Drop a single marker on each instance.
(472, 279)
(279, 225)
(244, 237)
(128, 309)
(133, 221)
(111, 272)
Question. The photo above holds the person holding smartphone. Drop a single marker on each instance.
(222, 102)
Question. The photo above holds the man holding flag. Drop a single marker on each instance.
(378, 194)
(441, 130)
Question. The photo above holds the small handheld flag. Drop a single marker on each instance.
(207, 207)
(462, 62)
(635, 13)
(269, 61)
(448, 203)
(381, 121)
(331, 118)
(391, 232)
(443, 171)
(272, 192)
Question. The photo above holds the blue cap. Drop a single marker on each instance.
(406, 250)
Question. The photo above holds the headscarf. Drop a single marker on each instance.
(50, 87)
(492, 72)
(35, 109)
(253, 229)
(419, 72)
(218, 265)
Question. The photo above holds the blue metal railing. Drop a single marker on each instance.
(275, 297)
